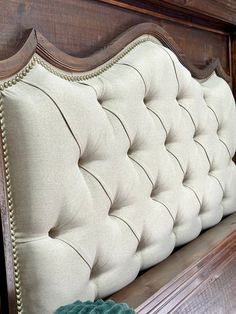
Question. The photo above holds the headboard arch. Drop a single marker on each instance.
(149, 94)
(35, 42)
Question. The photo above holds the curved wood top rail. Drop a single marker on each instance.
(36, 42)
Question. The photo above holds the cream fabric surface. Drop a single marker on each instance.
(110, 174)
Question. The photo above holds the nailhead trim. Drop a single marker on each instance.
(97, 72)
(11, 208)
(72, 77)
(8, 84)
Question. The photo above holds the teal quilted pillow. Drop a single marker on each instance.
(97, 307)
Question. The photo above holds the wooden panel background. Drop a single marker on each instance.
(80, 27)
(203, 29)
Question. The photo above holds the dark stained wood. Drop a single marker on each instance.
(37, 43)
(219, 9)
(233, 61)
(169, 283)
(180, 12)
(7, 278)
(84, 26)
(216, 295)
(13, 64)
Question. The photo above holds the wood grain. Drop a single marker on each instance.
(84, 26)
(36, 42)
(233, 60)
(166, 285)
(183, 12)
(216, 295)
(7, 282)
(219, 9)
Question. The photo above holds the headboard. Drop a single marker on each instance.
(128, 147)
(109, 163)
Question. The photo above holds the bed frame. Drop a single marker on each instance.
(205, 43)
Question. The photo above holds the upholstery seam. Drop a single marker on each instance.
(60, 111)
(22, 241)
(88, 75)
(121, 122)
(88, 171)
(88, 85)
(143, 169)
(189, 116)
(131, 66)
(211, 175)
(194, 193)
(66, 77)
(214, 115)
(127, 225)
(173, 63)
(204, 151)
(176, 159)
(225, 147)
(103, 88)
(158, 118)
(165, 207)
(70, 245)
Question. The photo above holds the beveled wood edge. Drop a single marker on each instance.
(178, 290)
(15, 63)
(35, 42)
(169, 283)
(7, 285)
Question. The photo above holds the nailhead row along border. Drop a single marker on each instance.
(9, 83)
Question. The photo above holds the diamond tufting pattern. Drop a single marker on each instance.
(109, 175)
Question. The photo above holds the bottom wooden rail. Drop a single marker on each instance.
(191, 278)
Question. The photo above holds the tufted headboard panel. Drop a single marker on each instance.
(111, 169)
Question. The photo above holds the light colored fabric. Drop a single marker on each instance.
(110, 174)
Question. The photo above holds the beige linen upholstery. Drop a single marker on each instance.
(110, 174)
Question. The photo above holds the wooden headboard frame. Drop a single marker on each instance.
(34, 41)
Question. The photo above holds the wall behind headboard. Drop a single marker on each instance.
(203, 29)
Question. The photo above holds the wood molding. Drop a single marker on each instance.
(220, 10)
(233, 60)
(204, 16)
(36, 42)
(170, 297)
(166, 286)
(7, 282)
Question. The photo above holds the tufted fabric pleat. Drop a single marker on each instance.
(110, 174)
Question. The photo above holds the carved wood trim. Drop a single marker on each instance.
(36, 42)
(167, 11)
(176, 292)
(223, 13)
(7, 282)
(168, 285)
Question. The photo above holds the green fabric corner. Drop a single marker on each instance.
(97, 307)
